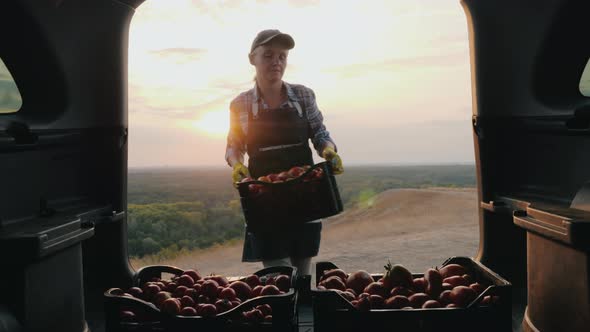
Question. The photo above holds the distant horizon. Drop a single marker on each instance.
(170, 167)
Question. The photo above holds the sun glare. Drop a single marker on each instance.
(214, 123)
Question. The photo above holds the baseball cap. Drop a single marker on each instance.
(265, 36)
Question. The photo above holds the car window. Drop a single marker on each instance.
(10, 99)
(585, 80)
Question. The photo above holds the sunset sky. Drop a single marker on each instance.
(391, 77)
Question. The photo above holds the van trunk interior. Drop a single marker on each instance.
(64, 159)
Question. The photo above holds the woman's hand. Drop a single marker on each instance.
(240, 171)
(330, 155)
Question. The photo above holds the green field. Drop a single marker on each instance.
(178, 210)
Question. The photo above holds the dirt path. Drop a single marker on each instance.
(418, 228)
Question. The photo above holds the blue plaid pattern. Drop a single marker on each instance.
(241, 106)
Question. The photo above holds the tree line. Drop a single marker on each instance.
(177, 210)
(182, 225)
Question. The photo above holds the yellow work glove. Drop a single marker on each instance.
(240, 171)
(330, 155)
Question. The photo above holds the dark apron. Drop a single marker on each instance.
(276, 141)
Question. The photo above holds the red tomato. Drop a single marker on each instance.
(160, 297)
(284, 176)
(193, 273)
(223, 305)
(264, 179)
(477, 287)
(193, 293)
(254, 316)
(209, 288)
(348, 296)
(359, 280)
(256, 290)
(179, 291)
(418, 299)
(468, 278)
(203, 299)
(335, 272)
(433, 280)
(334, 282)
(431, 304)
(135, 292)
(350, 290)
(149, 290)
(185, 280)
(462, 295)
(270, 290)
(283, 282)
(456, 281)
(445, 297)
(187, 301)
(188, 311)
(227, 293)
(242, 290)
(452, 270)
(376, 288)
(171, 286)
(487, 300)
(252, 280)
(208, 310)
(296, 171)
(401, 290)
(397, 302)
(377, 301)
(419, 285)
(266, 309)
(364, 304)
(221, 280)
(171, 306)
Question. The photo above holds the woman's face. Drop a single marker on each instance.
(270, 62)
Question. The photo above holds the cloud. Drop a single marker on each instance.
(141, 105)
(180, 54)
(303, 3)
(397, 64)
(223, 90)
(216, 8)
(178, 112)
(424, 8)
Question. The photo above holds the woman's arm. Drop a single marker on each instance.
(236, 142)
(320, 137)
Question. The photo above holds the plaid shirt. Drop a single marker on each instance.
(241, 106)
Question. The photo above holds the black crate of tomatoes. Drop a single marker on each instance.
(189, 301)
(294, 196)
(461, 295)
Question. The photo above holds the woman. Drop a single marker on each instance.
(273, 123)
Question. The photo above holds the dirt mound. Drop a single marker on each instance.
(414, 227)
(418, 228)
